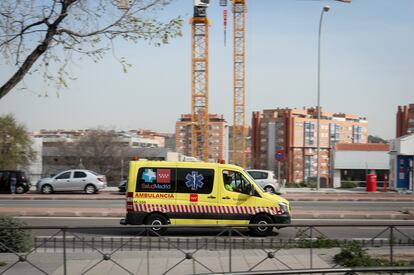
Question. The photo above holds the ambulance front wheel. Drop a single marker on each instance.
(262, 230)
(154, 220)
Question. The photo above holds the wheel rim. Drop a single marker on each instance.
(156, 222)
(269, 189)
(262, 229)
(47, 189)
(19, 190)
(90, 189)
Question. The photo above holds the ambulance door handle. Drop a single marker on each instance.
(226, 198)
(211, 197)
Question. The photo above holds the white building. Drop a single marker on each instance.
(401, 163)
(352, 162)
(35, 167)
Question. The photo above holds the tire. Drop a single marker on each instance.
(90, 189)
(20, 189)
(270, 189)
(47, 189)
(262, 231)
(157, 219)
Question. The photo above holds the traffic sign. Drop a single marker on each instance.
(280, 155)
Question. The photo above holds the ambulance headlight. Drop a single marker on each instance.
(284, 207)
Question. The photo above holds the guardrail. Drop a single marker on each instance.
(220, 249)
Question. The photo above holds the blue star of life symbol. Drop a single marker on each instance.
(194, 180)
(148, 175)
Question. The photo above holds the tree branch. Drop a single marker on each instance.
(43, 21)
(38, 51)
(110, 25)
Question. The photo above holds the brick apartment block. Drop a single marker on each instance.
(294, 132)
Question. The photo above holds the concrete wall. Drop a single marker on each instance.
(361, 160)
(336, 179)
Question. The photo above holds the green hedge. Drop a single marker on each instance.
(16, 239)
(310, 184)
(349, 184)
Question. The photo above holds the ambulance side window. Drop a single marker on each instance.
(241, 184)
(195, 180)
(153, 179)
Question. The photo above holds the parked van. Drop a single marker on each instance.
(162, 193)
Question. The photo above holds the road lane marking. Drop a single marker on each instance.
(294, 220)
(69, 218)
(384, 227)
(359, 220)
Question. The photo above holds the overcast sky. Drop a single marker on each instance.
(367, 69)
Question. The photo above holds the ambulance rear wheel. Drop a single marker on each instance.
(154, 220)
(263, 230)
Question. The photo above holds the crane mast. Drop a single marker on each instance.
(199, 81)
(239, 83)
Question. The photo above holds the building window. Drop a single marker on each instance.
(309, 133)
(334, 134)
(356, 134)
(309, 170)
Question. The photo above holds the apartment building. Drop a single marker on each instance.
(218, 137)
(405, 120)
(294, 133)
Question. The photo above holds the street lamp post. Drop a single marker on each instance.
(318, 126)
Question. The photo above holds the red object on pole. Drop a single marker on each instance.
(225, 25)
(371, 183)
(385, 183)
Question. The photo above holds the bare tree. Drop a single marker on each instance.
(99, 150)
(43, 36)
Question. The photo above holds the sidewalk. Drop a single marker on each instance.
(158, 262)
(161, 261)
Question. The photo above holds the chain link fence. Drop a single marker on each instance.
(209, 249)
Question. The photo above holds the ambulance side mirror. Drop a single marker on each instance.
(250, 190)
(253, 191)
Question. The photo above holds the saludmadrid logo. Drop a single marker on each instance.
(156, 186)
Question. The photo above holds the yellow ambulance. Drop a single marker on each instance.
(161, 192)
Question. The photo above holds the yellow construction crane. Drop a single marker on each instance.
(199, 89)
(200, 114)
(239, 83)
(199, 95)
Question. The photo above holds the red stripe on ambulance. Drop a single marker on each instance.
(210, 209)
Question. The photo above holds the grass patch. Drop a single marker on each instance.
(353, 255)
(319, 243)
(303, 241)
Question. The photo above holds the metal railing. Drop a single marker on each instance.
(297, 249)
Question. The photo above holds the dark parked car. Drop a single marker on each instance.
(122, 186)
(22, 184)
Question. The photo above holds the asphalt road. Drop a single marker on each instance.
(296, 205)
(361, 229)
